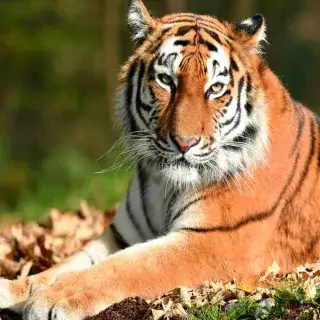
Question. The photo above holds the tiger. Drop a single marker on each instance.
(226, 179)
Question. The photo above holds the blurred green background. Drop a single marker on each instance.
(58, 64)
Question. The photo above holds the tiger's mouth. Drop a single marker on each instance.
(210, 161)
(180, 160)
(184, 162)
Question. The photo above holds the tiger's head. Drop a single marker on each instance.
(191, 98)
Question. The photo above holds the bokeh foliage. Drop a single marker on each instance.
(59, 62)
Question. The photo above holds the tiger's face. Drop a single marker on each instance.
(190, 98)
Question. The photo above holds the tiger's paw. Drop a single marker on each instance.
(51, 306)
(5, 298)
(71, 297)
(13, 294)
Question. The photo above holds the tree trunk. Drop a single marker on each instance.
(236, 10)
(110, 25)
(173, 6)
(242, 9)
(110, 32)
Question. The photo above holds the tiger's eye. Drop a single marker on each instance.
(165, 79)
(216, 87)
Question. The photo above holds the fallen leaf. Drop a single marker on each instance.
(157, 314)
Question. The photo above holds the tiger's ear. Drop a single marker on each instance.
(140, 20)
(252, 33)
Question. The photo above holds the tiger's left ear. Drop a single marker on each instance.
(140, 21)
(252, 33)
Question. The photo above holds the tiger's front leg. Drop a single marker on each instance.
(14, 294)
(146, 270)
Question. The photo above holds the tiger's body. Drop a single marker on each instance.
(227, 177)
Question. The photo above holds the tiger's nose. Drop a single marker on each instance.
(184, 144)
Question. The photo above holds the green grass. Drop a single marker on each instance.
(208, 313)
(245, 307)
(62, 181)
(286, 299)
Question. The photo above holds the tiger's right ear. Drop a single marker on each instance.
(140, 20)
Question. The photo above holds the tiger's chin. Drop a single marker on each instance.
(184, 175)
(181, 176)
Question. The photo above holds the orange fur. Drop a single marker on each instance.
(241, 226)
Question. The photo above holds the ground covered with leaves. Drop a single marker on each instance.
(27, 249)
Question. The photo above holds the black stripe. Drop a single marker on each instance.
(182, 20)
(182, 14)
(213, 35)
(199, 39)
(153, 96)
(230, 120)
(146, 107)
(164, 60)
(247, 135)
(182, 43)
(309, 159)
(151, 67)
(169, 59)
(254, 218)
(215, 63)
(249, 84)
(161, 147)
(212, 27)
(14, 314)
(234, 65)
(228, 104)
(232, 147)
(263, 66)
(181, 17)
(173, 91)
(312, 243)
(132, 217)
(231, 77)
(211, 46)
(235, 119)
(248, 108)
(238, 111)
(184, 30)
(143, 193)
(183, 209)
(301, 122)
(128, 94)
(224, 72)
(173, 198)
(202, 155)
(118, 237)
(139, 104)
(160, 60)
(216, 31)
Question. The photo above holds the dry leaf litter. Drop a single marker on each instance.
(27, 249)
